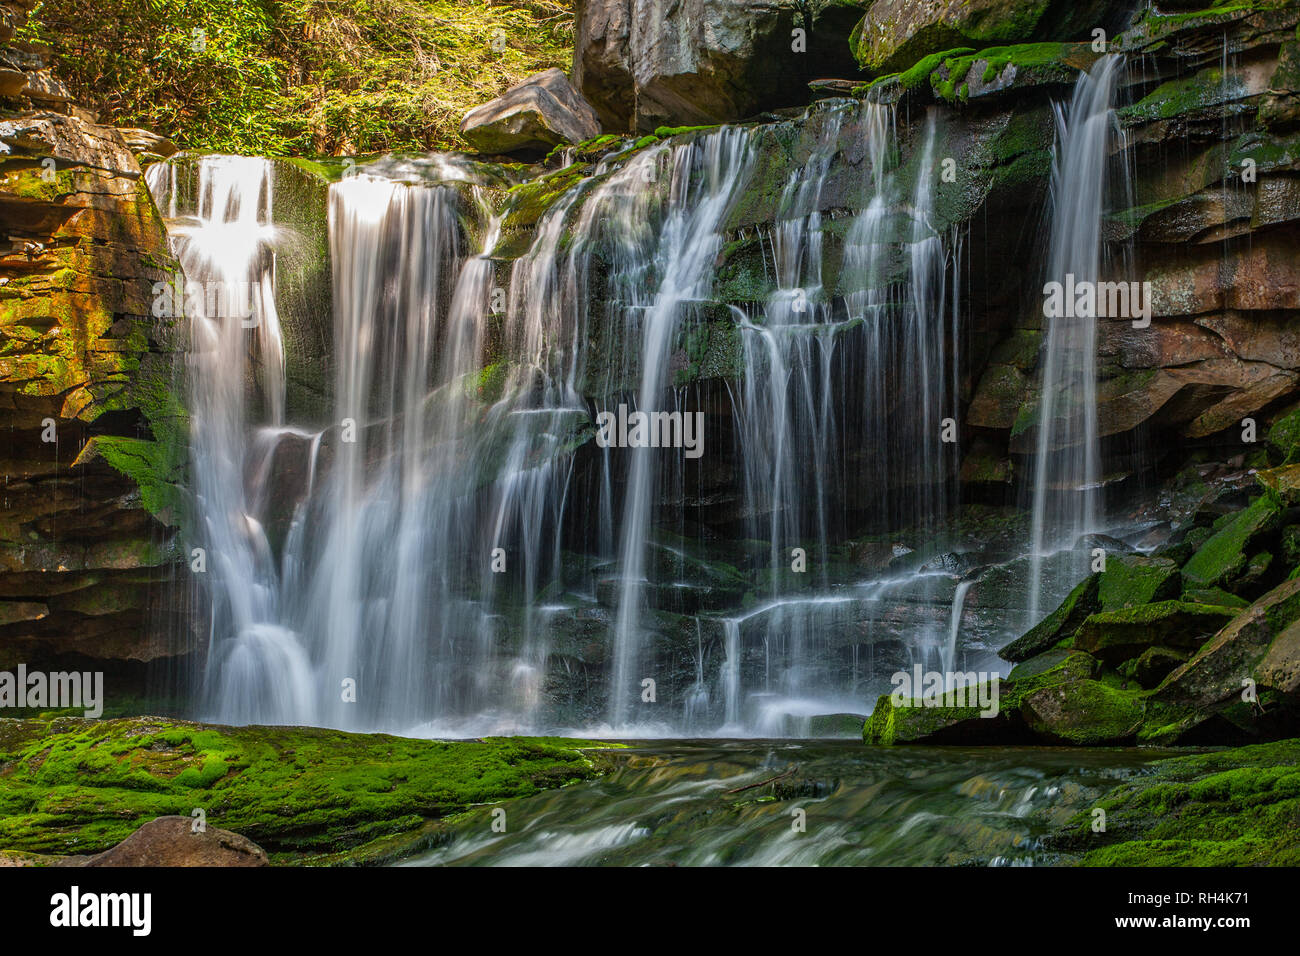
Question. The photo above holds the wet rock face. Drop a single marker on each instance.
(1208, 158)
(540, 113)
(85, 386)
(649, 63)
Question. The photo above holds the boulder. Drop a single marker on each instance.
(171, 841)
(145, 142)
(917, 722)
(532, 117)
(1115, 636)
(894, 34)
(1259, 643)
(1152, 665)
(1225, 555)
(644, 64)
(1084, 713)
(1057, 626)
(1130, 580)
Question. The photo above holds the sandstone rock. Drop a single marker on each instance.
(1283, 484)
(602, 59)
(144, 141)
(532, 117)
(170, 841)
(1215, 674)
(76, 534)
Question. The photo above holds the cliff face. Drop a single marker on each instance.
(90, 440)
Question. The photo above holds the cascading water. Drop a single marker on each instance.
(411, 566)
(1067, 478)
(256, 668)
(706, 176)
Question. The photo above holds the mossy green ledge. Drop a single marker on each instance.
(1236, 807)
(71, 786)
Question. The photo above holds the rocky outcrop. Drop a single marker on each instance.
(93, 449)
(894, 34)
(533, 117)
(645, 64)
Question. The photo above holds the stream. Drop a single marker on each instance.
(742, 803)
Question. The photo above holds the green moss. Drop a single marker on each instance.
(1234, 807)
(1284, 438)
(156, 467)
(1132, 580)
(1223, 556)
(1083, 713)
(78, 786)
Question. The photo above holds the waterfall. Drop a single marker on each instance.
(705, 177)
(257, 669)
(412, 562)
(1067, 477)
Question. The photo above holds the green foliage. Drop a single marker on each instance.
(279, 77)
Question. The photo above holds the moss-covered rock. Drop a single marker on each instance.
(1083, 713)
(1234, 807)
(896, 33)
(1130, 580)
(1115, 636)
(1152, 666)
(1227, 672)
(1224, 556)
(1060, 624)
(74, 786)
(950, 721)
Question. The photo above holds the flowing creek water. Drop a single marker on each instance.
(709, 803)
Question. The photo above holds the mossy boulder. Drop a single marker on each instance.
(1115, 636)
(894, 34)
(1226, 553)
(1255, 651)
(1069, 665)
(951, 721)
(1082, 713)
(1153, 665)
(1130, 580)
(1060, 625)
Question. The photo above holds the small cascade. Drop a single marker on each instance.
(705, 177)
(1067, 476)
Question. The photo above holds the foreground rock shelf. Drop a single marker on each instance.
(71, 787)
